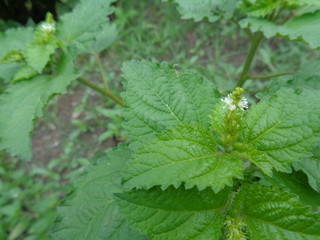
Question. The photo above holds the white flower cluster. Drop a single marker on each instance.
(48, 27)
(243, 104)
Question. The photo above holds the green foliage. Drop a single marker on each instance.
(272, 214)
(186, 154)
(298, 28)
(154, 96)
(77, 28)
(23, 102)
(27, 201)
(285, 127)
(212, 10)
(90, 212)
(175, 213)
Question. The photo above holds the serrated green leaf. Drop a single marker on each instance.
(298, 28)
(84, 22)
(311, 167)
(271, 213)
(24, 101)
(159, 98)
(15, 39)
(38, 55)
(285, 126)
(186, 154)
(296, 183)
(90, 212)
(25, 72)
(175, 213)
(217, 117)
(212, 10)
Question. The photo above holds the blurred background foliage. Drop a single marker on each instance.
(81, 124)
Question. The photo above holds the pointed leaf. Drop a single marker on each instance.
(186, 154)
(158, 98)
(271, 213)
(298, 28)
(175, 213)
(24, 101)
(285, 126)
(90, 212)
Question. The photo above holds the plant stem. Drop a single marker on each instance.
(102, 71)
(256, 39)
(105, 92)
(270, 76)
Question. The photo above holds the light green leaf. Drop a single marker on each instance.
(186, 154)
(271, 213)
(260, 8)
(90, 212)
(311, 167)
(84, 22)
(175, 213)
(24, 101)
(159, 98)
(38, 55)
(15, 39)
(25, 72)
(102, 40)
(8, 71)
(299, 28)
(217, 117)
(212, 10)
(285, 127)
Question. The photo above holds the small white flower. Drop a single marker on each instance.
(48, 27)
(229, 102)
(243, 104)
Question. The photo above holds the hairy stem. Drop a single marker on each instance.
(256, 39)
(105, 92)
(270, 76)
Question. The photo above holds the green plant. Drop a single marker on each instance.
(202, 165)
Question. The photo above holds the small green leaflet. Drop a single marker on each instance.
(303, 28)
(84, 22)
(38, 55)
(159, 98)
(271, 213)
(186, 154)
(285, 127)
(23, 102)
(212, 10)
(260, 8)
(90, 212)
(175, 213)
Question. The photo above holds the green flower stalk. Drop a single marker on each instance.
(234, 229)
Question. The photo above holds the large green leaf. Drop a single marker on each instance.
(285, 127)
(299, 28)
(186, 154)
(90, 212)
(84, 22)
(24, 101)
(158, 98)
(15, 39)
(271, 213)
(212, 10)
(175, 213)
